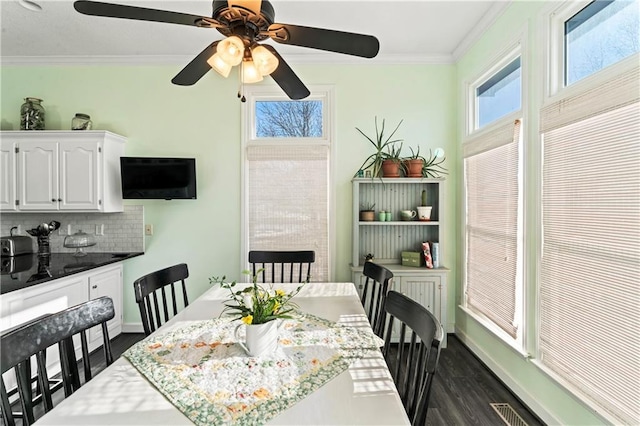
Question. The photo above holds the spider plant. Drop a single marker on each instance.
(432, 166)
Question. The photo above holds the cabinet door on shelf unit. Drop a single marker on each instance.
(38, 176)
(430, 291)
(8, 195)
(425, 290)
(107, 283)
(79, 175)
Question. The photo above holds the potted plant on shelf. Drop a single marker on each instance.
(392, 165)
(381, 142)
(414, 163)
(367, 214)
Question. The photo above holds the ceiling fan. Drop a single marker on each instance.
(244, 23)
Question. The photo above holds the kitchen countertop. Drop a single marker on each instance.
(27, 270)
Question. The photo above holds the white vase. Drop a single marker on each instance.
(261, 339)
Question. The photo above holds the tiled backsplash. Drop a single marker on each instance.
(121, 232)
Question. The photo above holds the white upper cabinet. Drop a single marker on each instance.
(37, 176)
(60, 170)
(7, 180)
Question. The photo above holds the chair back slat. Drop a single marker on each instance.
(33, 338)
(282, 266)
(150, 288)
(5, 406)
(415, 363)
(376, 286)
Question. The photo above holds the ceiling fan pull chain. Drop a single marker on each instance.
(241, 89)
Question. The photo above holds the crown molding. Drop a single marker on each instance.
(319, 58)
(488, 19)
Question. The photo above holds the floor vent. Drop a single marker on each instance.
(508, 414)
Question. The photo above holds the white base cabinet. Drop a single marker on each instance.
(24, 305)
(427, 287)
(75, 171)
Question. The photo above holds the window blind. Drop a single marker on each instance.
(288, 201)
(589, 301)
(492, 192)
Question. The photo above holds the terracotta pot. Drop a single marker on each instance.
(414, 167)
(367, 215)
(390, 169)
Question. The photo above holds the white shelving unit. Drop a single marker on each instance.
(387, 240)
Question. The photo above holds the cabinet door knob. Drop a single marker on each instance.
(94, 287)
(53, 200)
(60, 199)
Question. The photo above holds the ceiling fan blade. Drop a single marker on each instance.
(287, 79)
(252, 5)
(195, 69)
(363, 45)
(111, 10)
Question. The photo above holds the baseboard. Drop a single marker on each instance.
(135, 327)
(503, 375)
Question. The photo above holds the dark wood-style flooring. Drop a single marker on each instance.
(462, 389)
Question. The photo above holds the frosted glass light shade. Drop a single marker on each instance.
(250, 73)
(219, 65)
(231, 50)
(265, 61)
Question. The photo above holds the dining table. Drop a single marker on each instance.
(187, 371)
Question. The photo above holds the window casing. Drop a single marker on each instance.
(493, 195)
(287, 176)
(586, 38)
(498, 92)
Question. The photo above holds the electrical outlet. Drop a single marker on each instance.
(100, 229)
(148, 229)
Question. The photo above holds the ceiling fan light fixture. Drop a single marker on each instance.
(250, 73)
(231, 50)
(219, 65)
(265, 61)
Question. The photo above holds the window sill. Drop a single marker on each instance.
(579, 396)
(514, 344)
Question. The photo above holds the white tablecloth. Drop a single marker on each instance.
(364, 394)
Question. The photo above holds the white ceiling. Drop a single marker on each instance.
(418, 31)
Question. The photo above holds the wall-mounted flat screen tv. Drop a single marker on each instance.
(158, 178)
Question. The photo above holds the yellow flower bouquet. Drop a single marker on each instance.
(256, 304)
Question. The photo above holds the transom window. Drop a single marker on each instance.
(600, 35)
(289, 119)
(499, 93)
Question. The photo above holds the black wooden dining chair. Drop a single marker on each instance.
(282, 266)
(151, 287)
(32, 339)
(376, 286)
(413, 365)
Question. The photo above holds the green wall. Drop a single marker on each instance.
(203, 121)
(549, 400)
